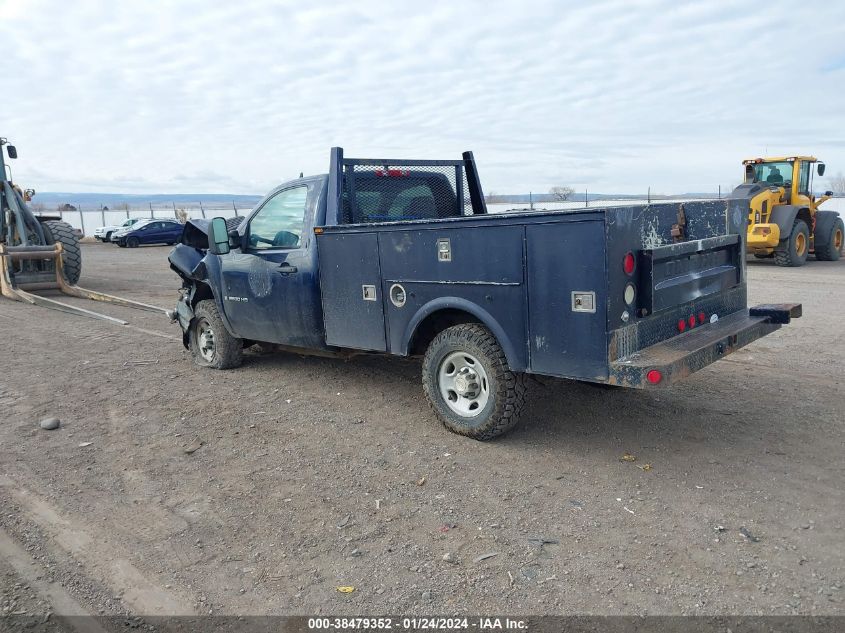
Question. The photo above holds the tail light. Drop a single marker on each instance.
(682, 325)
(702, 317)
(630, 294)
(654, 376)
(691, 321)
(628, 263)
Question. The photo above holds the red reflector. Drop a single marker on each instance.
(702, 317)
(628, 263)
(682, 325)
(691, 321)
(654, 376)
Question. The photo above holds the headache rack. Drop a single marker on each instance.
(375, 190)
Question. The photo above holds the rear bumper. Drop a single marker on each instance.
(678, 357)
(762, 236)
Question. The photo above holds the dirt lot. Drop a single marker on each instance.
(308, 475)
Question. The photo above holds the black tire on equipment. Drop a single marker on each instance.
(507, 388)
(785, 254)
(827, 249)
(763, 255)
(62, 232)
(228, 350)
(132, 242)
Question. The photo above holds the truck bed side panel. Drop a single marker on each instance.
(348, 264)
(480, 273)
(566, 258)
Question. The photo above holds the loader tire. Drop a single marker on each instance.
(209, 341)
(62, 232)
(829, 246)
(793, 251)
(469, 385)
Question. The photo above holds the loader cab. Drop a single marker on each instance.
(793, 173)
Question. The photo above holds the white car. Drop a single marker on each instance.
(104, 233)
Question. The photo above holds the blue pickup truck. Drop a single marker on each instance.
(401, 257)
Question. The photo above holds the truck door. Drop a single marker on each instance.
(269, 288)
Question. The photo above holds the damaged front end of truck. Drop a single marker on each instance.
(190, 260)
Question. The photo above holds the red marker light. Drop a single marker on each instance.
(702, 317)
(691, 321)
(393, 173)
(682, 325)
(654, 376)
(628, 263)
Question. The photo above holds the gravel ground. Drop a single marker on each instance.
(171, 489)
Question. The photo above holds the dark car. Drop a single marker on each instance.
(156, 232)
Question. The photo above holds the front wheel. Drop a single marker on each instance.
(793, 251)
(209, 341)
(469, 385)
(132, 242)
(108, 237)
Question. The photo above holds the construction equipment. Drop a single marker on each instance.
(784, 221)
(41, 253)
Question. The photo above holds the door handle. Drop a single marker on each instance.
(287, 269)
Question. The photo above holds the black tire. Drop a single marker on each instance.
(506, 389)
(132, 242)
(122, 244)
(829, 246)
(226, 351)
(793, 251)
(62, 232)
(108, 237)
(763, 255)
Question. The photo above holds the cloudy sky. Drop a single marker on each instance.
(236, 97)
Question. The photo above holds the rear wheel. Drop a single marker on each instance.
(793, 251)
(132, 242)
(829, 246)
(469, 384)
(108, 237)
(62, 232)
(210, 343)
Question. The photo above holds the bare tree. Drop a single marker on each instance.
(561, 194)
(837, 184)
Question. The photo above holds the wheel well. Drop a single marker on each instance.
(201, 291)
(435, 323)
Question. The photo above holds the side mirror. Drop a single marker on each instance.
(218, 237)
(820, 169)
(828, 193)
(12, 150)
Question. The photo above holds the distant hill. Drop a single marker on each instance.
(51, 199)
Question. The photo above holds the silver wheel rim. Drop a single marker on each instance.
(205, 340)
(463, 384)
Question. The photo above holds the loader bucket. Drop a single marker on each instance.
(18, 287)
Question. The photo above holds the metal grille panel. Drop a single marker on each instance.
(376, 191)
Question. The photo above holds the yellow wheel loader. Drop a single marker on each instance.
(42, 253)
(784, 220)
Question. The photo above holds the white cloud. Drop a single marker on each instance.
(237, 97)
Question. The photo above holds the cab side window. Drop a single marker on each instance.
(804, 178)
(281, 221)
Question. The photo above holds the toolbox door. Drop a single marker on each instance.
(350, 286)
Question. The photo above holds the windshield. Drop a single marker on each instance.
(773, 173)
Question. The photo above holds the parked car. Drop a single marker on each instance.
(104, 233)
(153, 231)
(401, 257)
